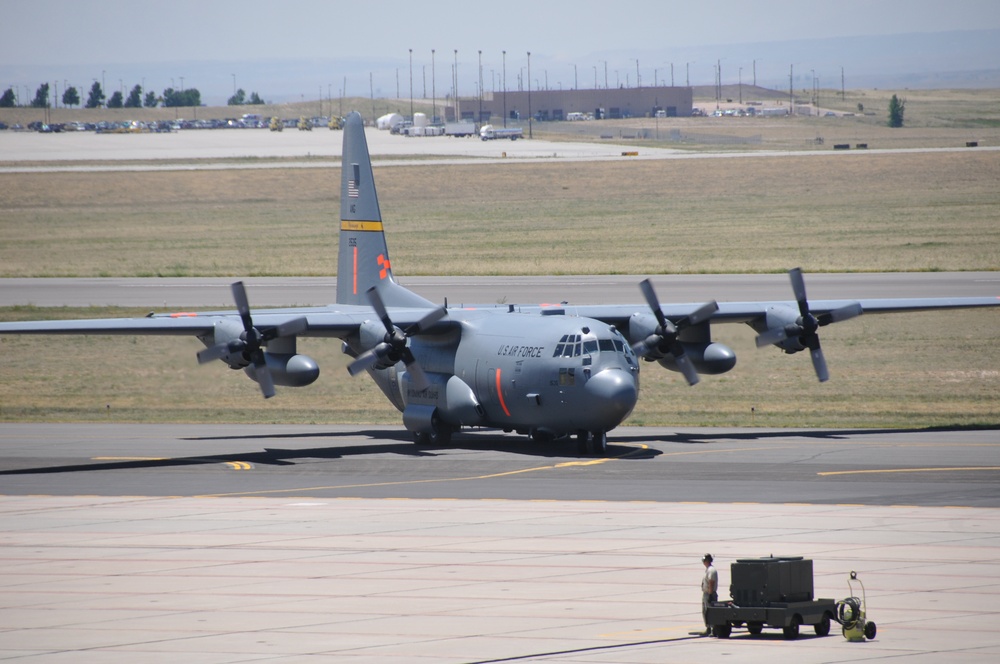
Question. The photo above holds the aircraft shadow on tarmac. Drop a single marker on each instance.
(384, 442)
(398, 442)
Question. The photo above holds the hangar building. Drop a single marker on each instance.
(611, 103)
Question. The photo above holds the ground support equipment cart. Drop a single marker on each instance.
(771, 592)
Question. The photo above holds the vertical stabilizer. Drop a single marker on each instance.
(363, 259)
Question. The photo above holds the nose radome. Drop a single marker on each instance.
(614, 395)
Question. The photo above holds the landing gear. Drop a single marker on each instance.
(592, 442)
(438, 435)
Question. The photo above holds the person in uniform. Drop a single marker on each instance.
(709, 589)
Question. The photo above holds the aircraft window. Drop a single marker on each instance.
(619, 346)
(560, 348)
(606, 345)
(590, 346)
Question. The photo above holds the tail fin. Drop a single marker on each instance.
(363, 259)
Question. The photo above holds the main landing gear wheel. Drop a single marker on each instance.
(439, 434)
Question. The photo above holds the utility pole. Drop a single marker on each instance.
(411, 85)
(529, 95)
(433, 87)
(505, 89)
(480, 118)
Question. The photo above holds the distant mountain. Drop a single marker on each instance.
(959, 59)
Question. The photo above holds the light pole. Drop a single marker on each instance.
(480, 118)
(411, 85)
(433, 87)
(505, 89)
(529, 95)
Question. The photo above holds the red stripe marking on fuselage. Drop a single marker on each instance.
(500, 396)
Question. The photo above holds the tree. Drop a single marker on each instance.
(96, 97)
(71, 97)
(151, 100)
(41, 99)
(8, 99)
(238, 99)
(116, 100)
(896, 108)
(189, 97)
(255, 99)
(134, 99)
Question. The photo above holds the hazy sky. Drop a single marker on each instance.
(110, 34)
(55, 32)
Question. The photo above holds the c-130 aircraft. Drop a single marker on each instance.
(545, 371)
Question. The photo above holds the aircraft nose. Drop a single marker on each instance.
(613, 395)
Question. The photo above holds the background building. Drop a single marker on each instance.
(612, 103)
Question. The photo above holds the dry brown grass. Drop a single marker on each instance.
(836, 212)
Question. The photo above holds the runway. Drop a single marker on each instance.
(165, 293)
(319, 543)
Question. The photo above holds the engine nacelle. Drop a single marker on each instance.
(710, 358)
(453, 400)
(779, 317)
(289, 370)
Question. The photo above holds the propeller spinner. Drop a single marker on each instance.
(664, 338)
(806, 327)
(252, 340)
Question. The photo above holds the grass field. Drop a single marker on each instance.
(922, 211)
(836, 212)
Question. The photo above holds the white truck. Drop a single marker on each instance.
(491, 133)
(460, 129)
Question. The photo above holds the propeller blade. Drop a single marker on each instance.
(654, 302)
(703, 313)
(687, 368)
(843, 313)
(263, 374)
(819, 363)
(771, 337)
(426, 322)
(216, 352)
(291, 328)
(363, 361)
(375, 299)
(417, 374)
(799, 289)
(242, 304)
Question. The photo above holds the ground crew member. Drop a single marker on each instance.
(709, 589)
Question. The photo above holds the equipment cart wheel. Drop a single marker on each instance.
(723, 631)
(870, 630)
(792, 631)
(755, 628)
(823, 626)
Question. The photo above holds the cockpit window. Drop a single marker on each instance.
(569, 346)
(589, 346)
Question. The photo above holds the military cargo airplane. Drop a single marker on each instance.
(545, 371)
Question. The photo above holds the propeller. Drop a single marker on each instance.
(393, 346)
(252, 341)
(664, 338)
(806, 327)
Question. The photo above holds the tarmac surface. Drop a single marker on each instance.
(324, 543)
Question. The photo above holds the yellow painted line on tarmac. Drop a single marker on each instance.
(639, 447)
(907, 470)
(239, 465)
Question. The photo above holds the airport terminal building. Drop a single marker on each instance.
(601, 103)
